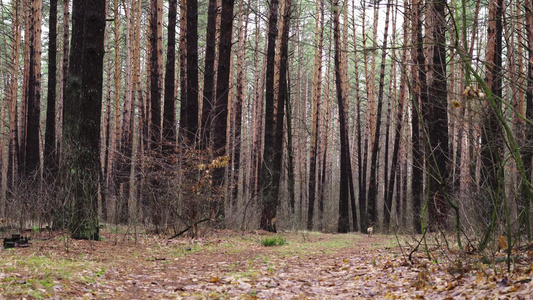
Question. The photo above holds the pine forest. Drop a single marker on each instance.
(282, 115)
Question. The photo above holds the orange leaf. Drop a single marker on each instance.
(502, 242)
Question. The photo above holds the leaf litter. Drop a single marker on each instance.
(234, 265)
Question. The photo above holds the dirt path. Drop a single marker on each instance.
(310, 266)
(232, 265)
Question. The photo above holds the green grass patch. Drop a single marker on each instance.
(312, 244)
(273, 241)
(36, 274)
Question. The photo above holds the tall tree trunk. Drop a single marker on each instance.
(368, 129)
(82, 116)
(269, 188)
(135, 143)
(239, 102)
(50, 161)
(361, 170)
(114, 120)
(491, 135)
(222, 94)
(373, 184)
(154, 117)
(419, 95)
(344, 192)
(156, 12)
(124, 134)
(209, 75)
(106, 143)
(63, 75)
(395, 165)
(13, 92)
(33, 97)
(23, 110)
(527, 154)
(257, 118)
(290, 157)
(169, 112)
(473, 126)
(189, 104)
(284, 104)
(183, 71)
(436, 119)
(317, 86)
(326, 129)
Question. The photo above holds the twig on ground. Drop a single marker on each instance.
(187, 229)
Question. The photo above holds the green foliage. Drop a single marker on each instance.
(273, 241)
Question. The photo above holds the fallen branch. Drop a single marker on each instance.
(187, 229)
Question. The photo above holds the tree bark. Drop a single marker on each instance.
(419, 96)
(13, 92)
(209, 74)
(83, 115)
(395, 165)
(189, 105)
(31, 149)
(317, 87)
(169, 112)
(50, 161)
(373, 184)
(436, 119)
(492, 147)
(344, 192)
(269, 200)
(284, 104)
(155, 75)
(182, 133)
(222, 94)
(63, 75)
(527, 154)
(238, 143)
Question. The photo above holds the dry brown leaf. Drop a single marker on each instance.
(502, 242)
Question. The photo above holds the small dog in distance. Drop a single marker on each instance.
(369, 230)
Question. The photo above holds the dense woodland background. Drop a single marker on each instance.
(280, 114)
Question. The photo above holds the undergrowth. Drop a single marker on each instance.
(273, 241)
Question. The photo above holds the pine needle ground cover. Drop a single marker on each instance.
(235, 265)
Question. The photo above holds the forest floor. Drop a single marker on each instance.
(236, 265)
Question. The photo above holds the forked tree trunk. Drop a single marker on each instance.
(344, 192)
(373, 184)
(395, 165)
(284, 104)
